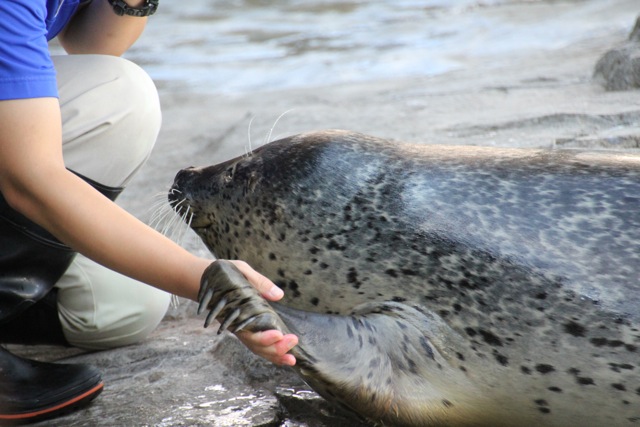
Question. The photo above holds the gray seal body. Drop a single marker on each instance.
(435, 285)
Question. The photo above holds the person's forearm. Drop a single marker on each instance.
(101, 230)
(97, 29)
(79, 216)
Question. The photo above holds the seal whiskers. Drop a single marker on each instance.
(269, 135)
(165, 219)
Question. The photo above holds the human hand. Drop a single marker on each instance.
(272, 345)
(233, 293)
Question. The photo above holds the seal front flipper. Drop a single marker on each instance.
(233, 301)
(388, 362)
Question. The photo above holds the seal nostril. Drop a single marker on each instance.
(182, 173)
(180, 186)
(182, 178)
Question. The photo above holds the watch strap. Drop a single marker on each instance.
(121, 8)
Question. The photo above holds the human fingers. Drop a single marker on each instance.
(265, 286)
(271, 345)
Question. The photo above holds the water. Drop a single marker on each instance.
(241, 46)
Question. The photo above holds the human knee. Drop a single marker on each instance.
(145, 318)
(128, 324)
(136, 117)
(102, 309)
(135, 93)
(111, 109)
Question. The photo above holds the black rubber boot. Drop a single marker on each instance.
(32, 391)
(38, 324)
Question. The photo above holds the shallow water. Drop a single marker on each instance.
(240, 46)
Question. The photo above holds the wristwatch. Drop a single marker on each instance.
(121, 8)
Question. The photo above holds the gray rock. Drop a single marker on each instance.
(619, 69)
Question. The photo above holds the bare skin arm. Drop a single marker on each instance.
(34, 181)
(96, 29)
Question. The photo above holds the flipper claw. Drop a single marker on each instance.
(228, 320)
(233, 301)
(204, 299)
(244, 324)
(215, 311)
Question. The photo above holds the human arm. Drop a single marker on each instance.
(97, 29)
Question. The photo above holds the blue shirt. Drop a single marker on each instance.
(26, 69)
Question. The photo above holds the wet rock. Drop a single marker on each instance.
(221, 407)
(619, 69)
(614, 142)
(302, 407)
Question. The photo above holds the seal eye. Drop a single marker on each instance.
(252, 182)
(228, 175)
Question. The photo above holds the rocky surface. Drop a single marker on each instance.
(184, 375)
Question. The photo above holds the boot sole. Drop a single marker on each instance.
(63, 408)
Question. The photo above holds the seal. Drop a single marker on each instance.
(435, 285)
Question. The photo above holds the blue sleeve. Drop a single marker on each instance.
(26, 69)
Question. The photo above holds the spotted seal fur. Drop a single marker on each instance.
(435, 285)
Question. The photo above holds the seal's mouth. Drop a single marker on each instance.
(201, 229)
(185, 198)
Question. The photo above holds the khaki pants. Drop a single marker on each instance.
(110, 121)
